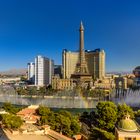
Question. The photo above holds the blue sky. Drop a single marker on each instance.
(32, 27)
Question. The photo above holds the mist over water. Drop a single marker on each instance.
(8, 94)
(130, 97)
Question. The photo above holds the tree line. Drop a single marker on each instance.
(102, 122)
(98, 124)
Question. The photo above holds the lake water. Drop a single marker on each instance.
(8, 94)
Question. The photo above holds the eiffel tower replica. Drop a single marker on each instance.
(81, 74)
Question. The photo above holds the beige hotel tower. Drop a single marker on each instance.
(80, 67)
(95, 60)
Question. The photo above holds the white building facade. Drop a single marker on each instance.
(31, 72)
(44, 70)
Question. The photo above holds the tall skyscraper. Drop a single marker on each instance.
(31, 72)
(69, 62)
(50, 70)
(44, 70)
(96, 63)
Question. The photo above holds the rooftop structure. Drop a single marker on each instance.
(127, 124)
(127, 129)
(29, 114)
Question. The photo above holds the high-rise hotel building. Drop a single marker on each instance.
(69, 62)
(95, 60)
(31, 72)
(44, 70)
(81, 67)
(96, 63)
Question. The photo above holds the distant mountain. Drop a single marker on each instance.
(14, 72)
(120, 72)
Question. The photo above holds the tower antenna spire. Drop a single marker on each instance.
(81, 74)
(82, 61)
